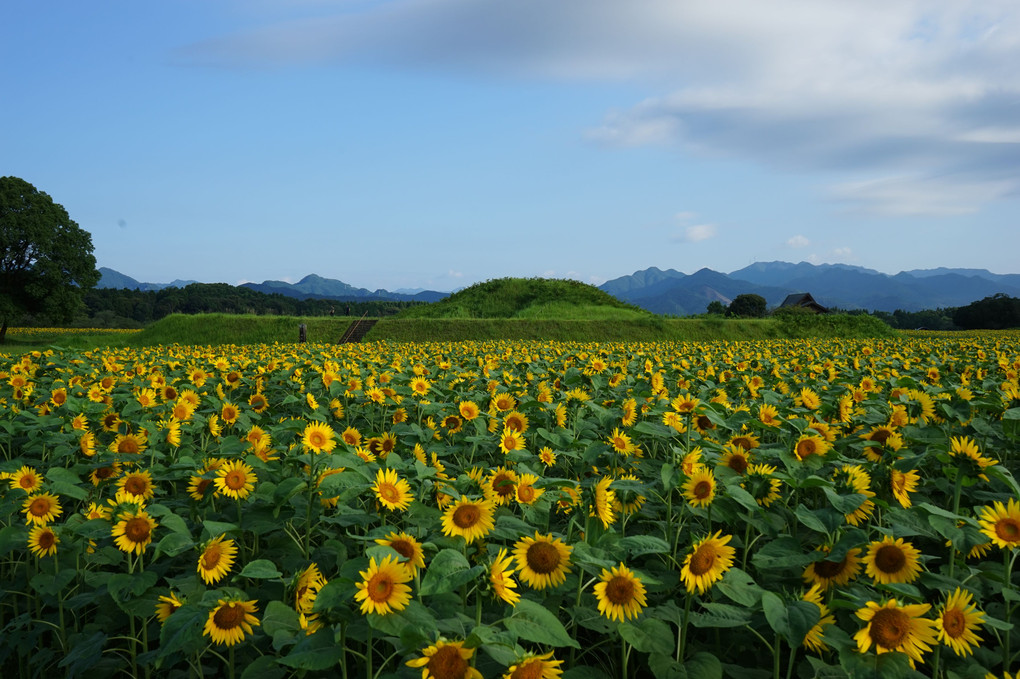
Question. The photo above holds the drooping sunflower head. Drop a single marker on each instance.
(216, 559)
(959, 622)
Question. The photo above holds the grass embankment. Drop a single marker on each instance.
(230, 329)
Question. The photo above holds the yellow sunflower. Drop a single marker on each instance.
(966, 452)
(87, 444)
(620, 442)
(810, 444)
(768, 415)
(534, 666)
(235, 479)
(129, 444)
(892, 627)
(318, 437)
(1001, 523)
(26, 479)
(826, 573)
(892, 561)
(230, 621)
(501, 576)
(620, 593)
(699, 489)
(392, 491)
(470, 519)
(511, 439)
(137, 484)
(527, 494)
(216, 559)
(133, 532)
(166, 606)
(542, 561)
(446, 660)
(229, 412)
(762, 484)
(516, 420)
(468, 410)
(501, 485)
(903, 484)
(605, 499)
(710, 558)
(406, 546)
(736, 458)
(959, 622)
(813, 639)
(42, 541)
(382, 588)
(41, 508)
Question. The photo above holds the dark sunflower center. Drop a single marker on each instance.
(542, 557)
(389, 492)
(211, 556)
(136, 485)
(137, 529)
(531, 669)
(806, 447)
(889, 627)
(27, 482)
(235, 479)
(702, 490)
(229, 616)
(1008, 529)
(380, 587)
(704, 422)
(738, 463)
(829, 569)
(620, 590)
(503, 485)
(446, 663)
(466, 516)
(526, 493)
(127, 446)
(39, 507)
(953, 623)
(46, 539)
(403, 548)
(316, 439)
(702, 560)
(104, 472)
(880, 436)
(890, 559)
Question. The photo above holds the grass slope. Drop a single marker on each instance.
(535, 298)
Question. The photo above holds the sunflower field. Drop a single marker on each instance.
(785, 508)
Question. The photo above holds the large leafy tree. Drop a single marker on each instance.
(46, 261)
(748, 306)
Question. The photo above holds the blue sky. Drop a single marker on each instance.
(435, 143)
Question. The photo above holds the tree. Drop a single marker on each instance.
(748, 305)
(716, 307)
(46, 261)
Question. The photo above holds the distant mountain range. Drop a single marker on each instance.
(831, 285)
(673, 292)
(309, 287)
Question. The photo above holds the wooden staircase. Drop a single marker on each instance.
(357, 331)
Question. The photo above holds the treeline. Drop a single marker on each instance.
(123, 308)
(997, 312)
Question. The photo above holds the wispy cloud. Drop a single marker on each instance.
(798, 241)
(917, 90)
(698, 232)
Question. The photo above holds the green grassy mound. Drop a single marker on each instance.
(534, 298)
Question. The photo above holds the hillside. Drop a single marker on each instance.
(534, 298)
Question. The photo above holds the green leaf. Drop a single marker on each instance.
(703, 665)
(181, 634)
(448, 570)
(279, 617)
(534, 622)
(639, 545)
(721, 615)
(740, 587)
(173, 544)
(263, 667)
(317, 652)
(262, 569)
(16, 537)
(84, 654)
(649, 635)
(663, 666)
(218, 528)
(810, 519)
(783, 552)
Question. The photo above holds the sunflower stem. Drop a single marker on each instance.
(957, 488)
(368, 654)
(230, 662)
(775, 656)
(624, 657)
(1009, 557)
(793, 657)
(682, 641)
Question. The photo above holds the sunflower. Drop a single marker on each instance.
(1001, 523)
(516, 420)
(511, 439)
(216, 559)
(446, 660)
(534, 666)
(501, 486)
(470, 519)
(958, 623)
(230, 621)
(605, 499)
(235, 479)
(452, 424)
(229, 412)
(966, 452)
(503, 402)
(27, 479)
(182, 410)
(736, 458)
(419, 386)
(853, 479)
(351, 437)
(892, 627)
(104, 473)
(620, 593)
(392, 491)
(813, 639)
(501, 576)
(746, 441)
(629, 412)
(137, 484)
(621, 442)
(42, 541)
(768, 415)
(407, 547)
(382, 588)
(133, 532)
(527, 494)
(903, 484)
(41, 508)
(762, 484)
(547, 456)
(543, 561)
(129, 444)
(166, 606)
(708, 560)
(87, 444)
(468, 410)
(826, 573)
(808, 398)
(892, 561)
(699, 489)
(318, 437)
(307, 587)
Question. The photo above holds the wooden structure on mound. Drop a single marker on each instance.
(357, 330)
(803, 300)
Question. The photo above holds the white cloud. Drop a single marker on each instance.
(798, 241)
(924, 195)
(925, 88)
(455, 274)
(699, 232)
(842, 253)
